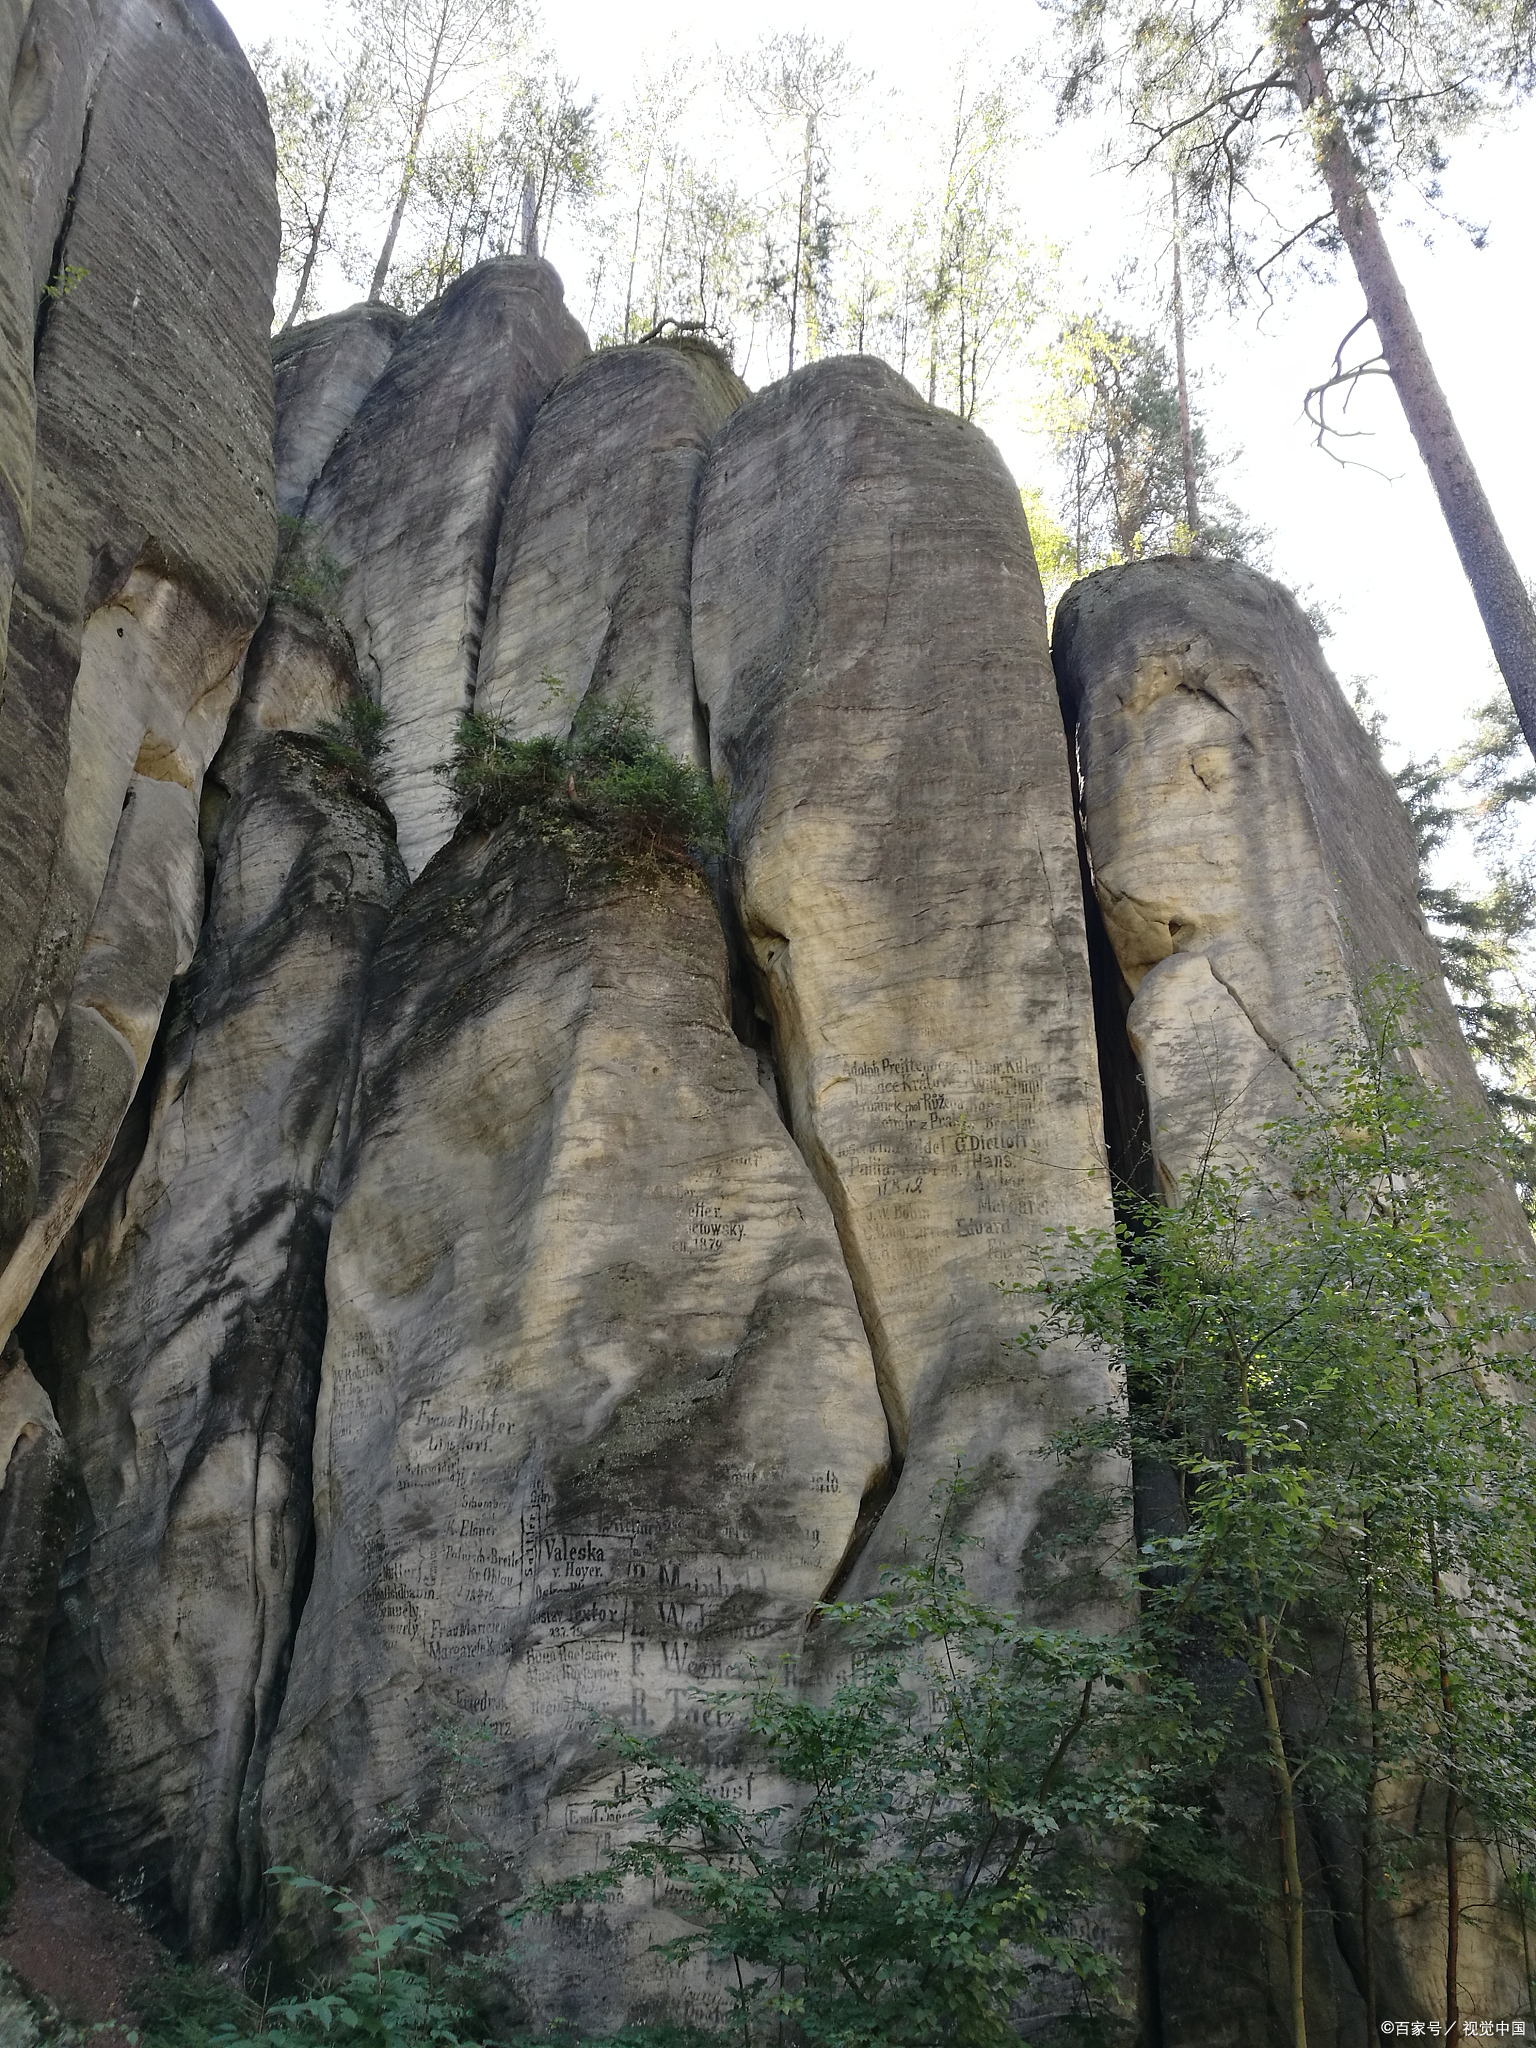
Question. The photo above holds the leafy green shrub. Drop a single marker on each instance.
(186, 2007)
(354, 738)
(610, 788)
(306, 573)
(1313, 1349)
(955, 1812)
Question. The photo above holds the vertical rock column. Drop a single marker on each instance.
(184, 1321)
(146, 569)
(323, 371)
(410, 504)
(1253, 864)
(1251, 858)
(592, 569)
(870, 647)
(596, 1412)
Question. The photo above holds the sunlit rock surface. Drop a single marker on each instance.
(597, 1411)
(146, 568)
(410, 502)
(870, 647)
(591, 591)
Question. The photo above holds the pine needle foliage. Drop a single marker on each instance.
(355, 737)
(608, 790)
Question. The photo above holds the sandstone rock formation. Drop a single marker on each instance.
(1251, 859)
(869, 639)
(443, 1323)
(1254, 867)
(597, 1411)
(322, 373)
(185, 1323)
(592, 569)
(145, 569)
(410, 503)
(38, 1506)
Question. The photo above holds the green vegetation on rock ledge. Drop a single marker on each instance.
(306, 574)
(354, 738)
(610, 789)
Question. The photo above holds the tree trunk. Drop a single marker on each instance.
(1285, 1805)
(407, 176)
(309, 263)
(1186, 432)
(1368, 1829)
(1502, 598)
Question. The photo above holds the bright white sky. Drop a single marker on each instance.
(1371, 547)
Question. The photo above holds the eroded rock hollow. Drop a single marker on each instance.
(455, 1276)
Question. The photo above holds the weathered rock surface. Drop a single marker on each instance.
(1254, 866)
(184, 1322)
(17, 415)
(870, 645)
(300, 673)
(410, 503)
(151, 541)
(592, 570)
(38, 1504)
(597, 1411)
(1251, 858)
(322, 372)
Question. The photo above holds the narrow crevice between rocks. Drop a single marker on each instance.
(877, 1499)
(51, 290)
(750, 1018)
(825, 1177)
(1133, 1181)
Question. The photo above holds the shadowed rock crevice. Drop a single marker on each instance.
(186, 1327)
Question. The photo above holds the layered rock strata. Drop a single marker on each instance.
(870, 649)
(591, 590)
(184, 1326)
(1251, 858)
(145, 570)
(597, 1411)
(409, 505)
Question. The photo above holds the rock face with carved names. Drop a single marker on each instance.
(145, 569)
(184, 1321)
(592, 569)
(1254, 867)
(870, 649)
(410, 501)
(597, 1410)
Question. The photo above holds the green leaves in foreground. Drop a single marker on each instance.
(1325, 1358)
(950, 1835)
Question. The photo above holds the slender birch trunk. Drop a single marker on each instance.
(1285, 1805)
(408, 174)
(1186, 432)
